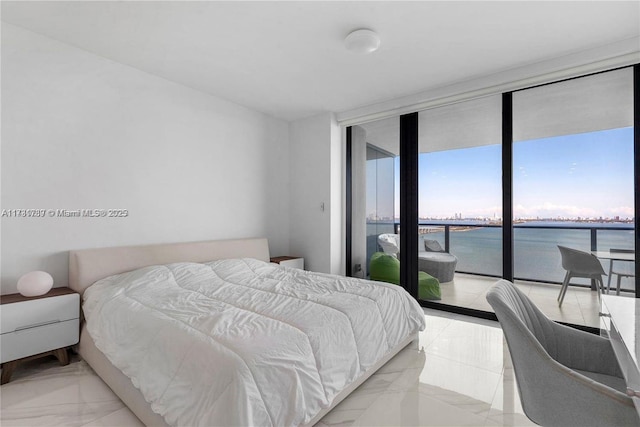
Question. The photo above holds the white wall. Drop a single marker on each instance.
(337, 226)
(359, 200)
(83, 132)
(316, 178)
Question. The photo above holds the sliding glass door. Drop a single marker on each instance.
(460, 198)
(490, 187)
(573, 185)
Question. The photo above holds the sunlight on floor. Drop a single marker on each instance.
(580, 306)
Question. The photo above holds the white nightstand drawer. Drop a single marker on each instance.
(293, 263)
(289, 261)
(27, 342)
(26, 314)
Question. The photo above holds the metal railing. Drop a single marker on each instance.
(591, 228)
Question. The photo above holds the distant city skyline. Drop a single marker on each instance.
(587, 176)
(372, 217)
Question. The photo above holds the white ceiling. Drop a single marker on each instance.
(286, 59)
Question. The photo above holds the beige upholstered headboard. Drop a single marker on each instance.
(89, 265)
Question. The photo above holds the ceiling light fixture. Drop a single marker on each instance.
(362, 41)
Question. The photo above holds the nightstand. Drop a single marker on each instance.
(34, 327)
(289, 261)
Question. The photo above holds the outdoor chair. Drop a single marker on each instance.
(435, 261)
(565, 377)
(580, 264)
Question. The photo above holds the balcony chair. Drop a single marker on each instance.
(580, 264)
(435, 261)
(565, 377)
(621, 268)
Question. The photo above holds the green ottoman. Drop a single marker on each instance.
(428, 286)
(386, 268)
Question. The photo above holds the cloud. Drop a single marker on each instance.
(625, 211)
(552, 210)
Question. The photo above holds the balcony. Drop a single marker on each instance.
(537, 264)
(580, 306)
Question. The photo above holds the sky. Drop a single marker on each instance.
(582, 175)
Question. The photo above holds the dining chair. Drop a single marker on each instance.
(565, 377)
(620, 268)
(580, 264)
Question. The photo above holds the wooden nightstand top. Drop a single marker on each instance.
(11, 298)
(279, 259)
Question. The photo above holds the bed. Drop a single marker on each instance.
(127, 286)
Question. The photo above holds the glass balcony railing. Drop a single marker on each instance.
(478, 245)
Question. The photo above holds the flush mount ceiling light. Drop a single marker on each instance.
(362, 41)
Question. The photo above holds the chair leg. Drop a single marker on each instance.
(609, 279)
(562, 286)
(600, 289)
(563, 290)
(618, 287)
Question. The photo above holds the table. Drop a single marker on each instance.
(622, 255)
(615, 256)
(621, 323)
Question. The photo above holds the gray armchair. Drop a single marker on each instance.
(580, 264)
(565, 377)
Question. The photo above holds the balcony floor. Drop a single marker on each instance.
(580, 305)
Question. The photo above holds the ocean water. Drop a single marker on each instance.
(536, 254)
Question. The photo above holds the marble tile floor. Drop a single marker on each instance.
(580, 305)
(457, 374)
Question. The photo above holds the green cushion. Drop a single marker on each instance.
(386, 268)
(428, 287)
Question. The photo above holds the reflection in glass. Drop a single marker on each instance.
(375, 155)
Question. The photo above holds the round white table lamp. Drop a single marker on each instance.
(35, 283)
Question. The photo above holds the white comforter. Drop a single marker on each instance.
(244, 342)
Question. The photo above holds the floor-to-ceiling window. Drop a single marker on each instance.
(573, 182)
(555, 162)
(460, 197)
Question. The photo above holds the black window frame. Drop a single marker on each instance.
(409, 194)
